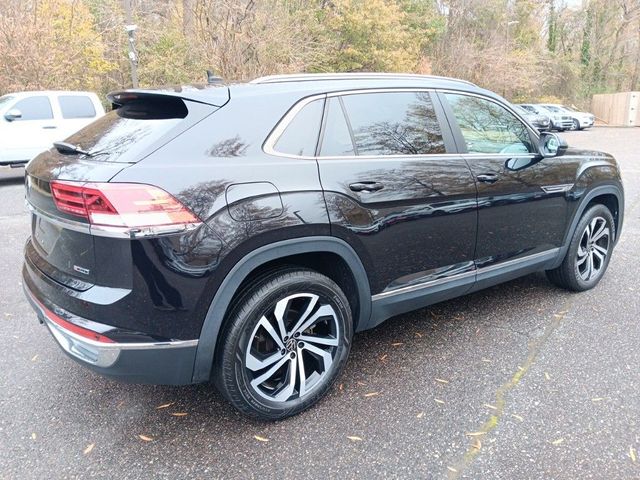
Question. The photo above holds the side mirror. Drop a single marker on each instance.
(13, 114)
(551, 145)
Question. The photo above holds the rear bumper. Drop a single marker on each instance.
(163, 363)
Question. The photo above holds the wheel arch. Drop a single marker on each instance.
(610, 195)
(307, 251)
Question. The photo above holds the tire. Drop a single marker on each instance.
(589, 251)
(576, 125)
(258, 366)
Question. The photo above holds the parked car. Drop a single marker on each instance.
(539, 121)
(243, 233)
(559, 121)
(31, 121)
(579, 120)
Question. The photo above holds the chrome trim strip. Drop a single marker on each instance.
(269, 144)
(431, 283)
(508, 263)
(112, 232)
(274, 136)
(479, 271)
(557, 188)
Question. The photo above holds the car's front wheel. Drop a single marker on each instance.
(575, 125)
(286, 340)
(589, 251)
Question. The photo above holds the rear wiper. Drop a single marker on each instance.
(67, 148)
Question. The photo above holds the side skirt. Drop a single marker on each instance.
(388, 304)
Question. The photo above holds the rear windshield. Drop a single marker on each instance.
(125, 132)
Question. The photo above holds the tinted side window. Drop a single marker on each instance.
(337, 138)
(34, 108)
(76, 106)
(488, 127)
(394, 123)
(301, 135)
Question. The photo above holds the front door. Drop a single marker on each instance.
(395, 189)
(32, 133)
(521, 200)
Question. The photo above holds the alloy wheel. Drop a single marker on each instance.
(593, 249)
(292, 348)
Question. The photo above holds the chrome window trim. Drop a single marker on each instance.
(112, 232)
(268, 146)
(459, 276)
(507, 107)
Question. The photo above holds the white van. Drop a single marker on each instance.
(31, 121)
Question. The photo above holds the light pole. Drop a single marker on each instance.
(506, 56)
(130, 28)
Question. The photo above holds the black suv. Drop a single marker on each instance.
(242, 233)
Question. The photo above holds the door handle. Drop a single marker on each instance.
(366, 186)
(487, 177)
(49, 127)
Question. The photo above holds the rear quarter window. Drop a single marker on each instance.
(300, 137)
(76, 106)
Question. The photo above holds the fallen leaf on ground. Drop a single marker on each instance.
(475, 434)
(492, 407)
(180, 414)
(599, 399)
(33, 436)
(382, 358)
(439, 401)
(441, 380)
(397, 344)
(372, 394)
(165, 405)
(361, 383)
(486, 360)
(547, 376)
(87, 450)
(418, 334)
(517, 417)
(341, 386)
(632, 454)
(35, 357)
(477, 444)
(354, 438)
(420, 415)
(451, 469)
(144, 438)
(558, 441)
(260, 439)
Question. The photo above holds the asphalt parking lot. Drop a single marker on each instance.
(521, 381)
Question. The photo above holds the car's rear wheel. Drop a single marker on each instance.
(589, 251)
(286, 340)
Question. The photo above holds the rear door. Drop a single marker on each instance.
(76, 111)
(521, 202)
(395, 189)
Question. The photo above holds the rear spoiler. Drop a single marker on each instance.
(216, 95)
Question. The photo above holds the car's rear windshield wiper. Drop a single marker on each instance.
(69, 148)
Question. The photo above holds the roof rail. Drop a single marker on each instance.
(310, 77)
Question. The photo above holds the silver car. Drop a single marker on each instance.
(559, 121)
(579, 120)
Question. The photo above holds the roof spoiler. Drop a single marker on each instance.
(216, 95)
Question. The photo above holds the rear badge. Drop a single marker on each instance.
(84, 271)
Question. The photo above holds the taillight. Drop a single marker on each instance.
(130, 205)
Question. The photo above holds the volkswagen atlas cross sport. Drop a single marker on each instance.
(241, 234)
